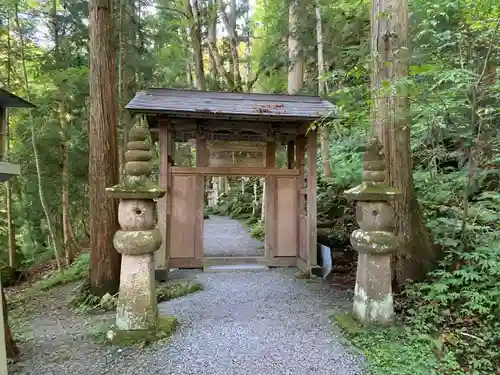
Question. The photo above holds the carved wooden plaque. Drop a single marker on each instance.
(236, 153)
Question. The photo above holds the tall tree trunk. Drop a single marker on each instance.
(248, 50)
(63, 123)
(194, 18)
(212, 39)
(295, 55)
(11, 348)
(391, 123)
(8, 194)
(66, 223)
(230, 25)
(41, 195)
(103, 154)
(126, 77)
(324, 133)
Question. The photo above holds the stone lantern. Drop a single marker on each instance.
(138, 239)
(374, 241)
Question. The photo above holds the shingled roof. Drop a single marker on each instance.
(9, 100)
(213, 104)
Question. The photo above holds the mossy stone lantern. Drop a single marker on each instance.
(374, 241)
(138, 238)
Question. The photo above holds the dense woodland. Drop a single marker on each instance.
(429, 89)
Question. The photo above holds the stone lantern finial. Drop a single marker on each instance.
(138, 156)
(375, 240)
(374, 162)
(137, 240)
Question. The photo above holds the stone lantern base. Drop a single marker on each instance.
(165, 327)
(137, 306)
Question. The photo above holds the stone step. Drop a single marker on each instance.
(219, 261)
(236, 268)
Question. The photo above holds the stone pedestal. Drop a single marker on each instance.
(374, 241)
(137, 309)
(137, 240)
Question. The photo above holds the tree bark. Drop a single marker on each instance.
(230, 25)
(295, 56)
(324, 131)
(193, 13)
(212, 39)
(391, 123)
(103, 154)
(126, 76)
(63, 123)
(8, 194)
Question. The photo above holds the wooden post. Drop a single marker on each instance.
(271, 154)
(201, 161)
(290, 150)
(299, 163)
(312, 141)
(302, 236)
(201, 152)
(270, 202)
(162, 255)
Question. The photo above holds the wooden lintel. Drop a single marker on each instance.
(234, 171)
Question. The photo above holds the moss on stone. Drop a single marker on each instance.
(175, 289)
(369, 191)
(139, 188)
(166, 326)
(348, 324)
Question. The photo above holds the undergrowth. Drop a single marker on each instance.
(78, 270)
(391, 351)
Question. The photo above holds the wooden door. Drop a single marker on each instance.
(286, 215)
(281, 220)
(186, 221)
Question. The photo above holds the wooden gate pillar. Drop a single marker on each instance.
(270, 201)
(312, 141)
(166, 152)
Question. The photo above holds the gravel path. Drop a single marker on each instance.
(226, 237)
(262, 323)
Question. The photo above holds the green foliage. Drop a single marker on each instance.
(258, 231)
(459, 303)
(78, 270)
(391, 351)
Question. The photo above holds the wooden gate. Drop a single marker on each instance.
(287, 241)
(186, 221)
